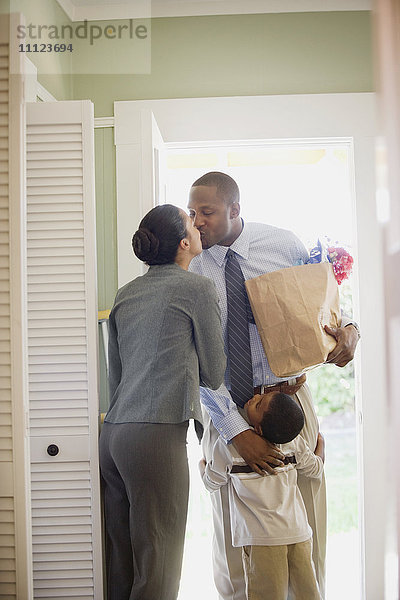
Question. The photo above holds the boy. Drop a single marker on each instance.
(268, 517)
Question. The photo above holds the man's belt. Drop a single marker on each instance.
(247, 469)
(278, 387)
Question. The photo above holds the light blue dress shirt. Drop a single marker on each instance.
(261, 249)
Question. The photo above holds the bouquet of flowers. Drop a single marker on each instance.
(341, 260)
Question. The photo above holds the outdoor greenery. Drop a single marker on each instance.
(333, 387)
(341, 477)
(333, 394)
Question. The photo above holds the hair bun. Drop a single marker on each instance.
(145, 244)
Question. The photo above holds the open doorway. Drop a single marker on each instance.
(307, 187)
(337, 118)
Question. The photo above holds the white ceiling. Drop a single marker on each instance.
(93, 10)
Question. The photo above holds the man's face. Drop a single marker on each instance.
(212, 216)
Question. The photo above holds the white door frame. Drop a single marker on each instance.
(15, 480)
(292, 118)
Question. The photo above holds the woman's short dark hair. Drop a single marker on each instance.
(283, 420)
(160, 231)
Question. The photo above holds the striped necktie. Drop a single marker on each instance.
(239, 352)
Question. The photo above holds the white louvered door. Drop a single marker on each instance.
(62, 342)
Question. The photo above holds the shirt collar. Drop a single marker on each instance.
(240, 246)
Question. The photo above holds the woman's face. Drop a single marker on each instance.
(192, 235)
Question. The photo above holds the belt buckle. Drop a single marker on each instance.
(290, 382)
(266, 386)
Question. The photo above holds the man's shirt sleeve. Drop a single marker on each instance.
(223, 412)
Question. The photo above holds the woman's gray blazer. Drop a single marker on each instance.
(165, 339)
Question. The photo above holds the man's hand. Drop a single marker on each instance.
(257, 452)
(347, 338)
(290, 390)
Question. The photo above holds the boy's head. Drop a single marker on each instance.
(275, 416)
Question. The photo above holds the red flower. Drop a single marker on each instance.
(342, 263)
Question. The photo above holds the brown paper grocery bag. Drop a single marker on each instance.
(291, 307)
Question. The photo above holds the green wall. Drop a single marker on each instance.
(288, 53)
(106, 233)
(226, 55)
(54, 69)
(106, 216)
(234, 55)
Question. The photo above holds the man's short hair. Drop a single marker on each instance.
(227, 188)
(283, 420)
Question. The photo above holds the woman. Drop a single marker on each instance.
(164, 340)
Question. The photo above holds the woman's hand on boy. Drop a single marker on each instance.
(320, 447)
(202, 467)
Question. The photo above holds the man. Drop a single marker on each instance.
(233, 249)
